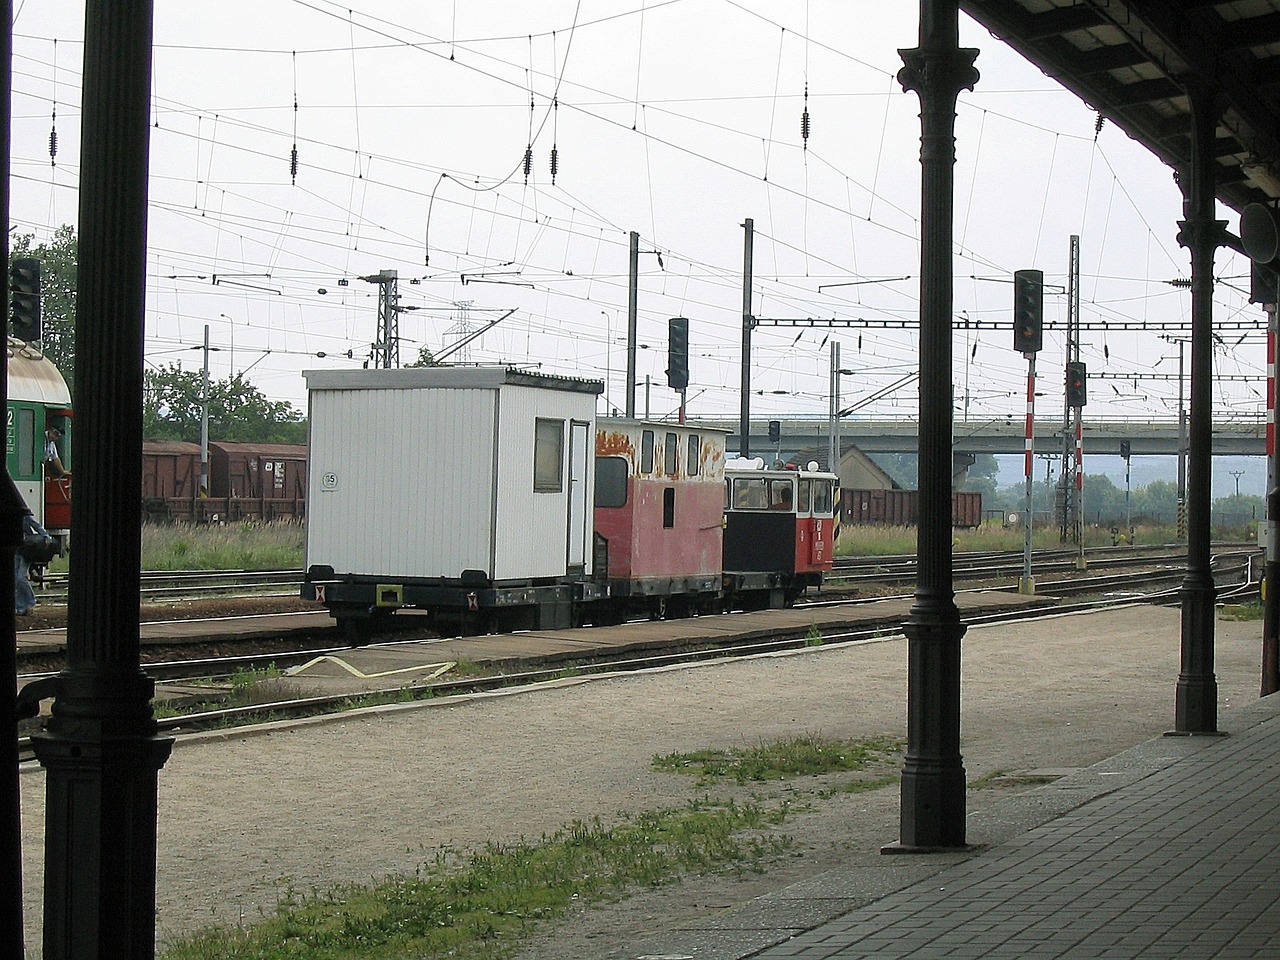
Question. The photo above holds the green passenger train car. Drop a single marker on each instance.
(38, 401)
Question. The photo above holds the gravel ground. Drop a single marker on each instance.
(244, 818)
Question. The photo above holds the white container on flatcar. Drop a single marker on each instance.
(444, 472)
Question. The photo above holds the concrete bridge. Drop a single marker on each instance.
(1239, 436)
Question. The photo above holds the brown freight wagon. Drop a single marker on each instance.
(901, 508)
(259, 481)
(247, 481)
(170, 479)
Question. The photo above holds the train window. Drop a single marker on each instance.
(646, 452)
(669, 461)
(822, 497)
(803, 498)
(28, 462)
(749, 494)
(668, 508)
(548, 456)
(611, 482)
(780, 495)
(692, 469)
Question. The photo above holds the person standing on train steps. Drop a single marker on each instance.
(52, 458)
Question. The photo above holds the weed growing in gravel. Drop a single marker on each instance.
(482, 907)
(806, 755)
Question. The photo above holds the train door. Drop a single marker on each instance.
(57, 482)
(579, 510)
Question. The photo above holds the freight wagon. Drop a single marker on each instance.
(901, 508)
(247, 481)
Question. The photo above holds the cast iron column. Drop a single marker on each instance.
(933, 779)
(101, 752)
(12, 508)
(1196, 699)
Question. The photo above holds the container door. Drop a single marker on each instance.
(579, 509)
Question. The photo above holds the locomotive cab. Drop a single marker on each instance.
(779, 531)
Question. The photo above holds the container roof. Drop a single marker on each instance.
(489, 378)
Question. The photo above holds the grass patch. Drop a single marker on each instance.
(231, 546)
(480, 906)
(807, 756)
(1241, 611)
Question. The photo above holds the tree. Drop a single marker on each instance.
(425, 359)
(58, 295)
(238, 411)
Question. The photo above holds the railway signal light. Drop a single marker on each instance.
(1076, 389)
(24, 298)
(1125, 449)
(775, 431)
(678, 353)
(1028, 310)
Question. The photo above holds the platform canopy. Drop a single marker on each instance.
(1134, 60)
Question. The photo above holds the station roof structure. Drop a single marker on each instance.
(1135, 60)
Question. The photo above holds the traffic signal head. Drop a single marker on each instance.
(24, 298)
(1028, 310)
(678, 353)
(1076, 390)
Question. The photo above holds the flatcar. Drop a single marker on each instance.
(38, 402)
(779, 531)
(493, 499)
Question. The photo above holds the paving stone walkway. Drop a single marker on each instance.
(1175, 853)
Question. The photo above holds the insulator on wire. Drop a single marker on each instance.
(528, 162)
(53, 147)
(804, 127)
(293, 163)
(555, 163)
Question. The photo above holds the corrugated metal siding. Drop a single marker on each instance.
(414, 481)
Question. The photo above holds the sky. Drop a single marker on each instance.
(677, 119)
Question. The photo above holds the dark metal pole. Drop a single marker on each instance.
(632, 311)
(12, 508)
(748, 321)
(1196, 698)
(101, 752)
(933, 779)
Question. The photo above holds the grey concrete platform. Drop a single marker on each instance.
(1169, 850)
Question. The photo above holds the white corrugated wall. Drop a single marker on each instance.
(412, 490)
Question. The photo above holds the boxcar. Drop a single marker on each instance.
(258, 481)
(901, 507)
(39, 399)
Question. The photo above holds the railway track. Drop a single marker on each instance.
(1234, 571)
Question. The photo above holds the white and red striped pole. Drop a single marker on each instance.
(1080, 561)
(1027, 585)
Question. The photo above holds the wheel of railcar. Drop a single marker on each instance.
(679, 608)
(658, 608)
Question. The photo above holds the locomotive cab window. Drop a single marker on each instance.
(822, 497)
(749, 493)
(611, 482)
(548, 456)
(669, 459)
(646, 452)
(692, 469)
(781, 496)
(804, 499)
